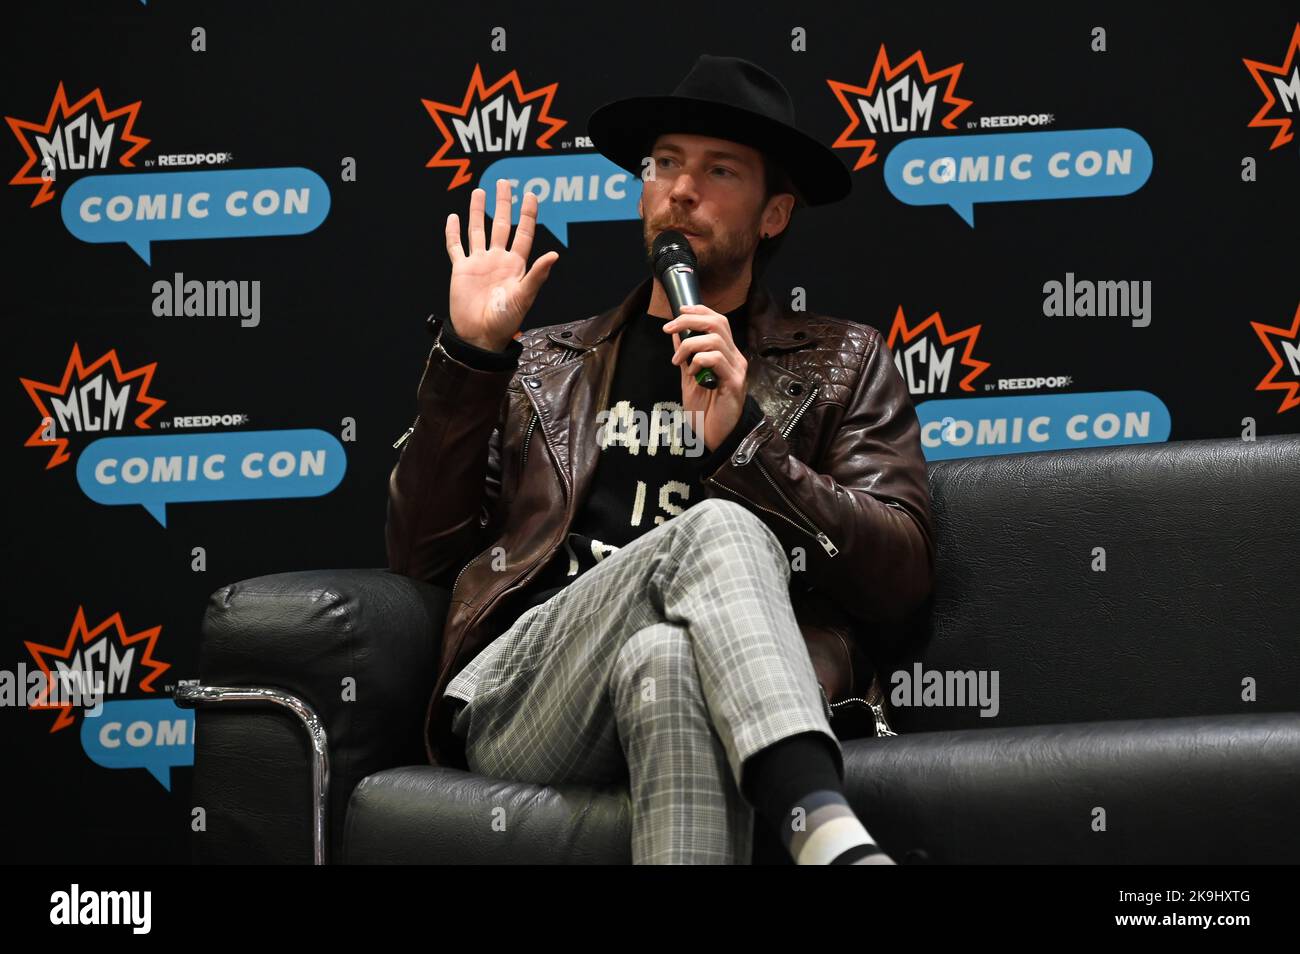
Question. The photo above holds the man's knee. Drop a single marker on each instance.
(655, 661)
(716, 515)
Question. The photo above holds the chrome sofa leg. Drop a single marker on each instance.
(190, 697)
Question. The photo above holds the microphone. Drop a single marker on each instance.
(674, 265)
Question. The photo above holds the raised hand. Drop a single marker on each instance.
(491, 287)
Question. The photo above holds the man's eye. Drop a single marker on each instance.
(722, 169)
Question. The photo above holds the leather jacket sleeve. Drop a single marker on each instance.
(750, 417)
(868, 498)
(446, 483)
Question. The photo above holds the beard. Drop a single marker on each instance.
(719, 260)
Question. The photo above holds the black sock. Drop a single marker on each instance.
(803, 771)
(778, 776)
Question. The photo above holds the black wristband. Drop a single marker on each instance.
(483, 359)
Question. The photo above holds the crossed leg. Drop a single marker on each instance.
(668, 664)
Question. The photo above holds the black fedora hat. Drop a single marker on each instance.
(723, 97)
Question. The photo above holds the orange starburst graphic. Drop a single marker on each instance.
(61, 110)
(850, 95)
(899, 333)
(81, 635)
(1266, 334)
(1257, 70)
(78, 371)
(477, 95)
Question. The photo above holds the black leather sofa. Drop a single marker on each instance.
(1125, 730)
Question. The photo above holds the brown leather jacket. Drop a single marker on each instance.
(503, 458)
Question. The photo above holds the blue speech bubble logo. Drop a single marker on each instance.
(154, 471)
(162, 206)
(584, 188)
(153, 734)
(960, 171)
(976, 427)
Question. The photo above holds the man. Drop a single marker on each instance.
(622, 605)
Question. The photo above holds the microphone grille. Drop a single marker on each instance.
(671, 248)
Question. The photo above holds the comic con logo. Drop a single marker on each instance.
(86, 136)
(92, 399)
(907, 102)
(932, 360)
(491, 120)
(973, 427)
(1280, 86)
(905, 98)
(138, 209)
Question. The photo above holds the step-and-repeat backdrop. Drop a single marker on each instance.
(223, 232)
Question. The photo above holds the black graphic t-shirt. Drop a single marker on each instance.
(651, 460)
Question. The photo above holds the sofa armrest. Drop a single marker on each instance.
(359, 647)
(430, 814)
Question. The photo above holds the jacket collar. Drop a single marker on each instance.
(768, 324)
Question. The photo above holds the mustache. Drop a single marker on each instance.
(683, 227)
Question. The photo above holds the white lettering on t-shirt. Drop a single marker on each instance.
(665, 426)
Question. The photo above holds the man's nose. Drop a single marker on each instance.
(683, 189)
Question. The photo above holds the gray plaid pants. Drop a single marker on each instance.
(666, 665)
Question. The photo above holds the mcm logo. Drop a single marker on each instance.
(1283, 347)
(927, 356)
(903, 99)
(491, 121)
(85, 136)
(1281, 88)
(90, 398)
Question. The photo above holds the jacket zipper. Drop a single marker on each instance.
(824, 540)
(402, 440)
(882, 726)
(785, 431)
(815, 531)
(456, 582)
(527, 438)
(522, 582)
(844, 702)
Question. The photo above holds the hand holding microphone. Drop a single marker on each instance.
(715, 393)
(674, 266)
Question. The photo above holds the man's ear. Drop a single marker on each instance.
(776, 218)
